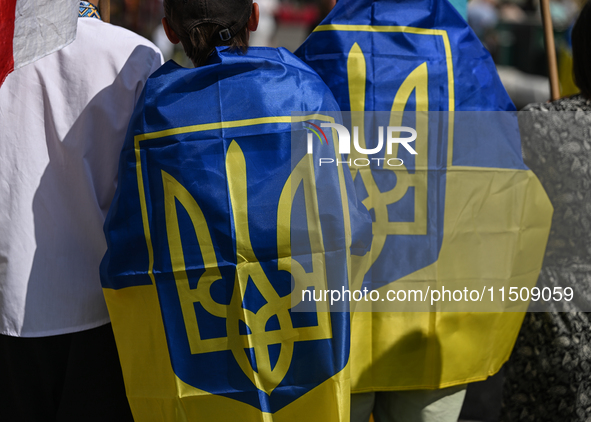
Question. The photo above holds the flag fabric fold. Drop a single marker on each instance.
(465, 208)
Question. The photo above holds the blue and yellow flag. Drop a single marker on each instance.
(464, 209)
(214, 185)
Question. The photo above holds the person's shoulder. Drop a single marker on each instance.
(263, 58)
(312, 90)
(283, 56)
(105, 36)
(109, 49)
(170, 74)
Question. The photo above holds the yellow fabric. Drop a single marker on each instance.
(496, 226)
(565, 73)
(154, 391)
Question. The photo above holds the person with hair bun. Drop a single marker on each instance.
(200, 28)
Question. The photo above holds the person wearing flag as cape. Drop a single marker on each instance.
(463, 211)
(219, 214)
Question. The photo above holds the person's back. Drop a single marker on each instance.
(202, 258)
(434, 216)
(63, 122)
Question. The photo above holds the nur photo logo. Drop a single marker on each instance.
(344, 144)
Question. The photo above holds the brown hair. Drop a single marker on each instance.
(200, 41)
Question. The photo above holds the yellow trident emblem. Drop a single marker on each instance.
(267, 376)
(377, 200)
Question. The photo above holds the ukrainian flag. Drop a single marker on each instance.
(215, 182)
(464, 209)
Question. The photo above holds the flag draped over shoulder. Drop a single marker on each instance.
(214, 184)
(31, 29)
(465, 208)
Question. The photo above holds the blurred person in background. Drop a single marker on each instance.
(63, 121)
(548, 377)
(483, 16)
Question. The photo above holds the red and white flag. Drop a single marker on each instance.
(31, 29)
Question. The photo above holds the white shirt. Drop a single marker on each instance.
(63, 120)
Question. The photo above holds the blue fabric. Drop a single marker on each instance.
(391, 56)
(462, 78)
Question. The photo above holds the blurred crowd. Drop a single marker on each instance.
(512, 31)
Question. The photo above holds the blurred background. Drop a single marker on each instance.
(510, 29)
